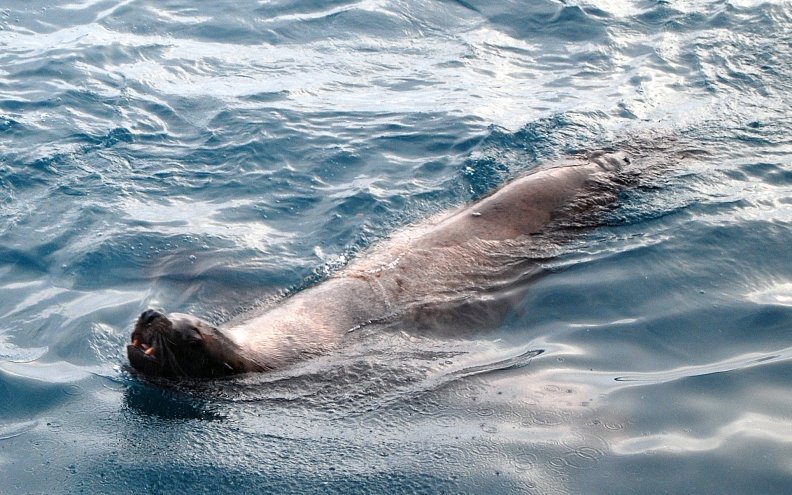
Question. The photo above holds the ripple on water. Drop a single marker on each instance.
(15, 429)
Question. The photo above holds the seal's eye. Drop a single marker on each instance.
(188, 333)
(194, 337)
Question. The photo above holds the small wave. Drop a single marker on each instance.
(12, 353)
(368, 375)
(736, 363)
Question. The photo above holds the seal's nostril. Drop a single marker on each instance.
(148, 316)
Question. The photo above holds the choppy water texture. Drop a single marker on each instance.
(211, 157)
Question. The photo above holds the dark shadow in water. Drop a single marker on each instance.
(265, 478)
(167, 400)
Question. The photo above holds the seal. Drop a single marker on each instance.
(444, 262)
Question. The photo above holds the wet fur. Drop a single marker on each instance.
(439, 273)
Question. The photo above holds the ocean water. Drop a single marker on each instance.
(215, 157)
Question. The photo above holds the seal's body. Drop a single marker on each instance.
(445, 258)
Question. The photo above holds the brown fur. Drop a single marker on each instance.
(444, 266)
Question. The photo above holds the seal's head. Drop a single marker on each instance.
(183, 346)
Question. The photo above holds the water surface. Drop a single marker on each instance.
(214, 158)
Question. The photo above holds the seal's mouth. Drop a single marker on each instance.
(146, 347)
(142, 357)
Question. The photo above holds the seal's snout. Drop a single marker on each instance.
(145, 349)
(146, 317)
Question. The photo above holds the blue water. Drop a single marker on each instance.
(214, 157)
